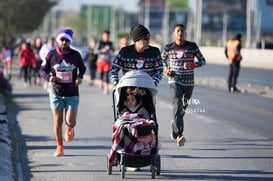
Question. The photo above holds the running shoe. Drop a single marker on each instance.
(180, 140)
(59, 151)
(69, 134)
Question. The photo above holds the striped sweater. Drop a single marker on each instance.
(175, 56)
(148, 61)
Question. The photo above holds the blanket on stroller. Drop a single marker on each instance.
(130, 132)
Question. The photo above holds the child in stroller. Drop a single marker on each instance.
(135, 139)
(133, 102)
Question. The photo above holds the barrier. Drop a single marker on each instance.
(254, 58)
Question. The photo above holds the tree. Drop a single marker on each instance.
(22, 16)
(78, 25)
(178, 4)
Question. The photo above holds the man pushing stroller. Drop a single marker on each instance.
(138, 56)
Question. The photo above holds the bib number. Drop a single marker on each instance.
(64, 77)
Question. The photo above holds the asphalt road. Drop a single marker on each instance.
(228, 137)
(251, 110)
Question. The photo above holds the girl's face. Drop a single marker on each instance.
(131, 100)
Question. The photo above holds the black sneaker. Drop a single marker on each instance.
(234, 89)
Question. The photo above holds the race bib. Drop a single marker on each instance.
(64, 77)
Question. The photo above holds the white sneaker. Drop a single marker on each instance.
(180, 140)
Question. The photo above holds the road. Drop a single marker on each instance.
(251, 110)
(228, 139)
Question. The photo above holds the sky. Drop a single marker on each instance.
(129, 5)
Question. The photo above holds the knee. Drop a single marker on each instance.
(71, 124)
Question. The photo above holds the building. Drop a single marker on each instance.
(263, 24)
(159, 19)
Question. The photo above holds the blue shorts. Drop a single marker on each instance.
(62, 102)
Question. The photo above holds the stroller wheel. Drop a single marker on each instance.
(153, 171)
(123, 169)
(109, 167)
(158, 165)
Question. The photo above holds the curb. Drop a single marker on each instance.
(6, 166)
(245, 87)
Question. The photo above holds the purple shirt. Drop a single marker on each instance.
(66, 67)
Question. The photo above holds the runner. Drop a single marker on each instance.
(105, 49)
(64, 68)
(178, 58)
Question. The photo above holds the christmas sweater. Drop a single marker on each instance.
(148, 61)
(66, 67)
(174, 56)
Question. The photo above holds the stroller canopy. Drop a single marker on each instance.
(136, 78)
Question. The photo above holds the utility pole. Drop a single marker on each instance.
(248, 24)
(198, 21)
(258, 26)
(88, 22)
(225, 22)
(113, 23)
(53, 19)
(165, 29)
(147, 14)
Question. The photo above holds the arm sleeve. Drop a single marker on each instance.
(157, 73)
(45, 69)
(81, 67)
(115, 69)
(201, 60)
(164, 58)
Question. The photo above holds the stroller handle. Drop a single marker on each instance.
(113, 104)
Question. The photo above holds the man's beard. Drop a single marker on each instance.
(64, 48)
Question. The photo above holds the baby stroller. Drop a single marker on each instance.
(127, 146)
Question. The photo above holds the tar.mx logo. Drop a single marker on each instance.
(192, 105)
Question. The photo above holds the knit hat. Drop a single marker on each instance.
(138, 31)
(64, 33)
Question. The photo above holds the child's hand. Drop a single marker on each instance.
(168, 71)
(188, 65)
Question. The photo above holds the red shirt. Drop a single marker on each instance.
(27, 58)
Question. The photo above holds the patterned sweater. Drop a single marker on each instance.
(148, 61)
(174, 56)
(66, 67)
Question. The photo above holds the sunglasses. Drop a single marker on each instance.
(146, 37)
(65, 39)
